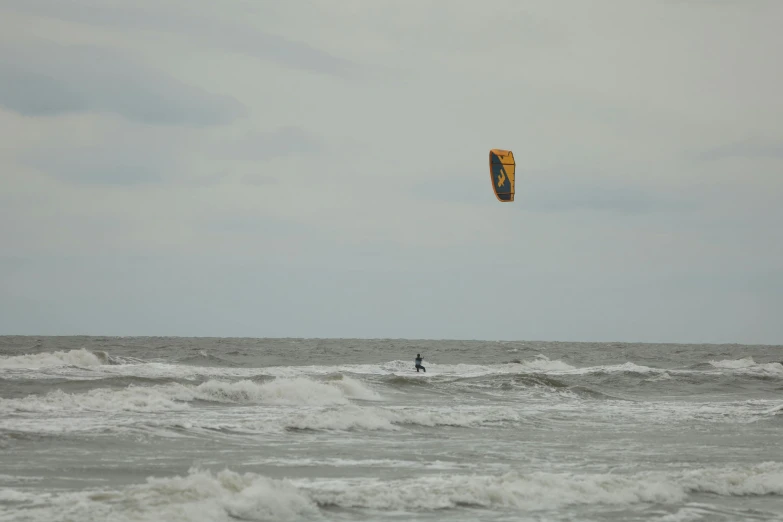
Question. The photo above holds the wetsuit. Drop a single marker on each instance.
(418, 365)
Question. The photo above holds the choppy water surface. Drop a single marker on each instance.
(95, 429)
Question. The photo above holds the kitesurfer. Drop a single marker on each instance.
(418, 364)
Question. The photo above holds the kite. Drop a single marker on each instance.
(501, 172)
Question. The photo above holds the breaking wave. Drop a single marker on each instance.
(176, 396)
(541, 490)
(80, 357)
(206, 495)
(749, 366)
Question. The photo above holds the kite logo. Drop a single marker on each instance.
(501, 179)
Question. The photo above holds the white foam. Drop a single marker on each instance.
(244, 497)
(542, 363)
(774, 409)
(373, 418)
(202, 495)
(195, 497)
(761, 479)
(632, 414)
(13, 496)
(686, 514)
(82, 364)
(134, 368)
(747, 362)
(80, 357)
(279, 391)
(461, 417)
(355, 389)
(628, 367)
(344, 419)
(748, 366)
(535, 491)
(768, 369)
(133, 398)
(171, 397)
(18, 478)
(541, 490)
(405, 368)
(374, 463)
(538, 365)
(287, 391)
(664, 376)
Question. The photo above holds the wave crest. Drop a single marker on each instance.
(206, 495)
(286, 391)
(81, 357)
(748, 365)
(175, 396)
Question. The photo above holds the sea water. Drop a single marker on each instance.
(197, 429)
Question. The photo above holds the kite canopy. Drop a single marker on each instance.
(501, 172)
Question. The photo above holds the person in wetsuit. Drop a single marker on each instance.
(418, 364)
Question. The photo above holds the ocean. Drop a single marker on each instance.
(222, 429)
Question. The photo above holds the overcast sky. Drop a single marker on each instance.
(319, 168)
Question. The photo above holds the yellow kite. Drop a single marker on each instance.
(501, 172)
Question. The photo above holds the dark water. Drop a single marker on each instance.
(95, 428)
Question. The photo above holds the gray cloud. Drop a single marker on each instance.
(265, 145)
(108, 151)
(48, 80)
(748, 148)
(106, 164)
(603, 196)
(38, 94)
(205, 31)
(250, 153)
(134, 155)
